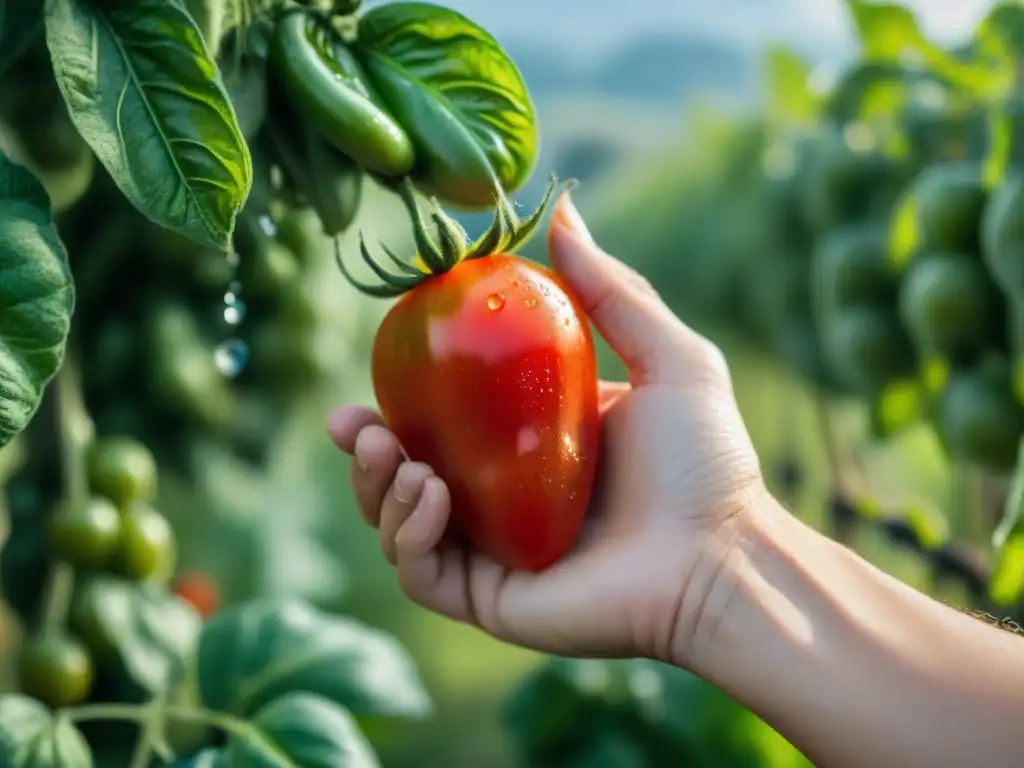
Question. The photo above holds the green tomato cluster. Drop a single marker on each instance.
(885, 267)
(114, 531)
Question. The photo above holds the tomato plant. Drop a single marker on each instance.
(171, 175)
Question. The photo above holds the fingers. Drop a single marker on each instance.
(347, 422)
(431, 570)
(653, 343)
(609, 392)
(399, 502)
(377, 458)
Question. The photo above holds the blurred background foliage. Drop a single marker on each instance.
(669, 114)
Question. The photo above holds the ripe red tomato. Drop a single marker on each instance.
(200, 591)
(488, 374)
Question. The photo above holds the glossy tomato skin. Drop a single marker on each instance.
(488, 374)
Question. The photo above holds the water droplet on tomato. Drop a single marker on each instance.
(530, 303)
(231, 357)
(495, 302)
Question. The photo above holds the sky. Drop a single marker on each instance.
(587, 28)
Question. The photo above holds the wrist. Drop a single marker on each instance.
(714, 617)
(828, 649)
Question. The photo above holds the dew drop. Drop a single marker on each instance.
(530, 303)
(234, 287)
(231, 357)
(234, 309)
(495, 302)
(267, 225)
(233, 259)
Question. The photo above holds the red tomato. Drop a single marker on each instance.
(200, 591)
(488, 374)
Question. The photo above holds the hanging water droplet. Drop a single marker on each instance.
(234, 287)
(530, 303)
(233, 259)
(234, 310)
(495, 302)
(231, 357)
(267, 225)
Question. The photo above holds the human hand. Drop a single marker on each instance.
(677, 481)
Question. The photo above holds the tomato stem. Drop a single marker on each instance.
(75, 433)
(451, 245)
(144, 714)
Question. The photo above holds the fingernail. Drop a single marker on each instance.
(571, 219)
(405, 492)
(360, 455)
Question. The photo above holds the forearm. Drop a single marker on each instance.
(853, 666)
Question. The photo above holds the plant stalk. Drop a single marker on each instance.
(74, 430)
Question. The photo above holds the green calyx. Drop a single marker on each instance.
(442, 252)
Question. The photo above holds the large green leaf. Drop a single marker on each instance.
(302, 730)
(143, 629)
(252, 653)
(144, 93)
(461, 97)
(31, 737)
(889, 32)
(37, 299)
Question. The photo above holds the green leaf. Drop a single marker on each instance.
(887, 31)
(791, 102)
(143, 629)
(302, 730)
(251, 653)
(1012, 520)
(904, 231)
(896, 408)
(209, 17)
(31, 737)
(1006, 585)
(1000, 146)
(37, 300)
(460, 96)
(205, 758)
(145, 94)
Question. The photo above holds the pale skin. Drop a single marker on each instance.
(686, 558)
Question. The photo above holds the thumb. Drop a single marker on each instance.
(653, 343)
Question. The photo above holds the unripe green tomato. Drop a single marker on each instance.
(85, 623)
(57, 670)
(86, 535)
(326, 85)
(122, 469)
(146, 549)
